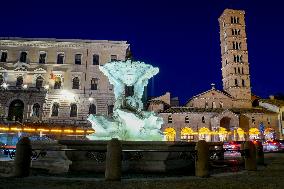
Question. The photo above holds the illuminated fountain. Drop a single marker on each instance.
(129, 121)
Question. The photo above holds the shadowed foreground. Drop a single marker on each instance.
(269, 177)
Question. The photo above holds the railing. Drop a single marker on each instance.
(200, 154)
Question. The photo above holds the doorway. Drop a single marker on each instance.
(16, 111)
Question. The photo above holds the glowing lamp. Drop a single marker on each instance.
(91, 99)
(25, 86)
(46, 87)
(5, 85)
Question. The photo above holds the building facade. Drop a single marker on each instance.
(56, 81)
(222, 115)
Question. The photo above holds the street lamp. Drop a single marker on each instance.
(46, 87)
(5, 85)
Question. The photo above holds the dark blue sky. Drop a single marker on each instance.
(181, 37)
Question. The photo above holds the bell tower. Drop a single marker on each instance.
(235, 66)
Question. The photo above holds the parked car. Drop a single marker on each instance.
(232, 145)
(281, 144)
(271, 146)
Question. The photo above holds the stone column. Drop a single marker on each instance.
(202, 159)
(259, 153)
(113, 160)
(23, 158)
(250, 156)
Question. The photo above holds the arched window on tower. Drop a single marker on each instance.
(242, 70)
(239, 71)
(55, 109)
(39, 82)
(235, 70)
(75, 83)
(232, 20)
(233, 32)
(19, 81)
(243, 83)
(92, 109)
(36, 108)
(203, 119)
(73, 110)
(236, 82)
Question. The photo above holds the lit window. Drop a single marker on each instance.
(170, 134)
(187, 134)
(60, 58)
(57, 82)
(42, 57)
(78, 58)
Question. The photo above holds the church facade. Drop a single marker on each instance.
(56, 81)
(221, 115)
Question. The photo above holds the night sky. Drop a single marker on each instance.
(180, 37)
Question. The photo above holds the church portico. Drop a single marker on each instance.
(225, 126)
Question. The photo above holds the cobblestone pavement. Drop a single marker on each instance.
(267, 177)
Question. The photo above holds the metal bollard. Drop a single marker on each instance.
(23, 158)
(250, 156)
(202, 159)
(113, 160)
(259, 153)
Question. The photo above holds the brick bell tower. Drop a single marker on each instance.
(235, 66)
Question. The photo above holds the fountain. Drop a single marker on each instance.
(129, 121)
